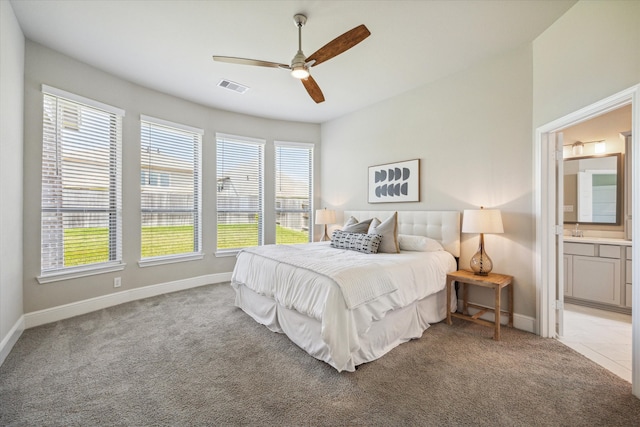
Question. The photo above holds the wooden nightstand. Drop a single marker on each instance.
(494, 281)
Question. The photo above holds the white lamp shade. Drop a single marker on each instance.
(325, 216)
(482, 221)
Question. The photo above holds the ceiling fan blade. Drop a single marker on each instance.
(245, 61)
(313, 89)
(340, 44)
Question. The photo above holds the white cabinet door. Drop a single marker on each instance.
(596, 279)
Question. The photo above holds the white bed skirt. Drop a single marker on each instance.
(397, 327)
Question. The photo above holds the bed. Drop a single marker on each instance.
(345, 307)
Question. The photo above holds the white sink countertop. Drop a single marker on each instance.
(599, 240)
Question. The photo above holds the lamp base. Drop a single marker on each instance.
(326, 237)
(481, 264)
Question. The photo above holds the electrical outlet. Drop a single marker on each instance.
(117, 282)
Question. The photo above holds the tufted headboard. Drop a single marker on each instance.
(443, 226)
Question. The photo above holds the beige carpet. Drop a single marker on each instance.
(192, 358)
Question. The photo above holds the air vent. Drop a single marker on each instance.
(236, 87)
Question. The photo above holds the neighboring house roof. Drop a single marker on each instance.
(232, 182)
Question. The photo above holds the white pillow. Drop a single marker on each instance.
(353, 226)
(374, 223)
(388, 229)
(410, 242)
(352, 220)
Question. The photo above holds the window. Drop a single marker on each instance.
(81, 184)
(170, 188)
(294, 184)
(154, 178)
(239, 191)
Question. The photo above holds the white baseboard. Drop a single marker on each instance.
(524, 323)
(10, 339)
(49, 315)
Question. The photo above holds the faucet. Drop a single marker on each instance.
(577, 232)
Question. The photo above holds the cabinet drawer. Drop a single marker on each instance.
(609, 251)
(627, 273)
(628, 296)
(585, 249)
(629, 252)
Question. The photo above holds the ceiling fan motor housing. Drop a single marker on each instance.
(298, 60)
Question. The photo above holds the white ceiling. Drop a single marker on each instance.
(167, 45)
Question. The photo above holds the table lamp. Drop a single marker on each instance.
(323, 217)
(482, 221)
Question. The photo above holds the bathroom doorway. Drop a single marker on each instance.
(549, 214)
(596, 214)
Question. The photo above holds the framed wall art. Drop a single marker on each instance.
(395, 182)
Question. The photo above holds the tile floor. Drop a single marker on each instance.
(602, 336)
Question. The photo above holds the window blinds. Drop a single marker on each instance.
(170, 188)
(81, 182)
(294, 184)
(240, 177)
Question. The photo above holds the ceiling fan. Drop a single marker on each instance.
(300, 64)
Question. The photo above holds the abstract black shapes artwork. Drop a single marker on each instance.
(394, 182)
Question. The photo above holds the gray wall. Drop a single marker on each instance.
(11, 144)
(472, 134)
(473, 131)
(45, 66)
(590, 53)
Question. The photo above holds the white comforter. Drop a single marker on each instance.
(358, 281)
(383, 282)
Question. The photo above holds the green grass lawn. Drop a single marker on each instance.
(85, 246)
(166, 240)
(288, 235)
(91, 245)
(232, 236)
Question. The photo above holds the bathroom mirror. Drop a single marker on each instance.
(593, 189)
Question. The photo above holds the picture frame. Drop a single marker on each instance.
(394, 182)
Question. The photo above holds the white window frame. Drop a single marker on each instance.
(115, 242)
(197, 236)
(260, 143)
(299, 145)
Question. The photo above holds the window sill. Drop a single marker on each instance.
(229, 253)
(151, 262)
(74, 273)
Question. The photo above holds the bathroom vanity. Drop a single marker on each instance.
(597, 272)
(597, 202)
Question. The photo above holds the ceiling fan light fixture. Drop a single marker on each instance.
(298, 68)
(300, 72)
